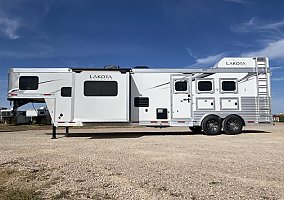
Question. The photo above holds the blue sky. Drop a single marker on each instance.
(156, 33)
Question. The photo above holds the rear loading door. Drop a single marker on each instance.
(101, 96)
(181, 101)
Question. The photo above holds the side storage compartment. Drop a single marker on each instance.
(205, 103)
(229, 103)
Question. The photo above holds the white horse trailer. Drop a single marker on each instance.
(233, 93)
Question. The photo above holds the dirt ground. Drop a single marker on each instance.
(143, 163)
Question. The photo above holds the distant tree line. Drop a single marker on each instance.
(281, 118)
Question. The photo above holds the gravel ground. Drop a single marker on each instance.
(147, 163)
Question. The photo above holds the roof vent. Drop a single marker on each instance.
(141, 67)
(111, 67)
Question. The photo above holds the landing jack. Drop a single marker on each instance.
(54, 132)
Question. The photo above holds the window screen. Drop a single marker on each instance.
(28, 83)
(181, 86)
(204, 86)
(228, 86)
(141, 102)
(66, 91)
(100, 88)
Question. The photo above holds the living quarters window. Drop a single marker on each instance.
(180, 86)
(205, 86)
(100, 88)
(229, 85)
(66, 91)
(141, 101)
(28, 83)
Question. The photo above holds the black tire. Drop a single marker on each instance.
(212, 125)
(196, 129)
(233, 124)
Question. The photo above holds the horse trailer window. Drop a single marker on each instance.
(66, 91)
(229, 86)
(28, 83)
(141, 101)
(181, 86)
(100, 88)
(205, 86)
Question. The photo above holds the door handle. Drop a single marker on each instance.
(188, 99)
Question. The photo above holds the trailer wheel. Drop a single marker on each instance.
(195, 129)
(212, 125)
(233, 124)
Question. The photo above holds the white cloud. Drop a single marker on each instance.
(12, 17)
(9, 27)
(274, 26)
(248, 26)
(278, 79)
(190, 53)
(273, 50)
(272, 68)
(209, 60)
(254, 25)
(238, 1)
(206, 61)
(17, 54)
(269, 34)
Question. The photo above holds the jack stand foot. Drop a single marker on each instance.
(53, 132)
(67, 132)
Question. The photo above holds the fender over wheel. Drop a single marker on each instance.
(195, 129)
(233, 124)
(212, 125)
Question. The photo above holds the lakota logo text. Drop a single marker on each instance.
(235, 63)
(101, 77)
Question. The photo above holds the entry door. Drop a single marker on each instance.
(181, 97)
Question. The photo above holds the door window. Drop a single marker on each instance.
(181, 86)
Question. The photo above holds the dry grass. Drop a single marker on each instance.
(13, 193)
(14, 128)
(13, 188)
